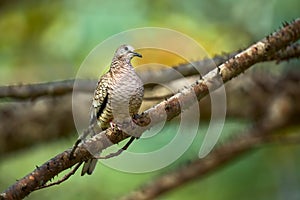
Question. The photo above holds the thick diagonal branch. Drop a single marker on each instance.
(167, 109)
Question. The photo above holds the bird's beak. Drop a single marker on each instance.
(136, 54)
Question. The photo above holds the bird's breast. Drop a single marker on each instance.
(126, 94)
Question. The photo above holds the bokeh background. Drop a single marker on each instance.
(48, 40)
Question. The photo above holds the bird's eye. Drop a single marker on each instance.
(126, 48)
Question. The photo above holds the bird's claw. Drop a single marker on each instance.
(115, 127)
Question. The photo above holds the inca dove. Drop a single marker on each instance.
(118, 95)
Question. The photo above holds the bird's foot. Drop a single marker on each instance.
(141, 119)
(115, 127)
(135, 118)
(72, 153)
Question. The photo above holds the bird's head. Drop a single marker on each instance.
(126, 52)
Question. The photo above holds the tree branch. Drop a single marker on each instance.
(171, 107)
(57, 88)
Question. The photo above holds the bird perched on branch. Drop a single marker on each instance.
(118, 96)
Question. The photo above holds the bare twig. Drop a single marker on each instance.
(169, 108)
(118, 152)
(66, 177)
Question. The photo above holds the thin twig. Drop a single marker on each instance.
(66, 177)
(118, 152)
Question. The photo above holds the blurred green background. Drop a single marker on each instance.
(48, 40)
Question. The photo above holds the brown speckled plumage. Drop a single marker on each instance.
(118, 95)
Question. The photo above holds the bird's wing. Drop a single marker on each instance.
(100, 98)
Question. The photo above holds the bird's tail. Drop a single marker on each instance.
(89, 166)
